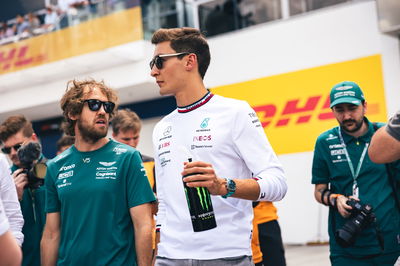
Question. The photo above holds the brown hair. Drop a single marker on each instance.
(15, 124)
(72, 101)
(65, 141)
(186, 40)
(126, 120)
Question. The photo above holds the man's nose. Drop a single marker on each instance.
(102, 109)
(154, 71)
(346, 114)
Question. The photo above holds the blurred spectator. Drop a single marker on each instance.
(50, 19)
(79, 11)
(63, 10)
(3, 29)
(11, 30)
(34, 24)
(22, 26)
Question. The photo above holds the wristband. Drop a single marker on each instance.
(323, 196)
(334, 200)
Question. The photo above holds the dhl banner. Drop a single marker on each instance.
(90, 36)
(294, 107)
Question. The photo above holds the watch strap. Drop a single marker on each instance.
(230, 191)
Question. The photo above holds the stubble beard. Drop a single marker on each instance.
(358, 125)
(90, 134)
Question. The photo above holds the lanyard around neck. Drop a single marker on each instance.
(354, 174)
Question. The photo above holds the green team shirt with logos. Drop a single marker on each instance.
(330, 166)
(93, 191)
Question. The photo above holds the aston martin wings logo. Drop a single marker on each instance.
(106, 164)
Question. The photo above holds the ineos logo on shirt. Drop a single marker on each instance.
(202, 138)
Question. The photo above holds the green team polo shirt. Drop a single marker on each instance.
(93, 191)
(330, 166)
(32, 208)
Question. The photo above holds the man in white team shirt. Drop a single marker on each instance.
(9, 197)
(11, 220)
(230, 153)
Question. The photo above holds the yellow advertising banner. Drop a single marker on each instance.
(294, 107)
(90, 36)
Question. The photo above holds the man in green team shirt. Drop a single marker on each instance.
(342, 170)
(97, 193)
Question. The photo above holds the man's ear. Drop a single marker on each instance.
(191, 62)
(34, 137)
(365, 106)
(73, 117)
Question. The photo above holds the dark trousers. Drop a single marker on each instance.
(271, 244)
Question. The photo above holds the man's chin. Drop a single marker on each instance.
(350, 129)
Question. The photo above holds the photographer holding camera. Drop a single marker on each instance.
(21, 145)
(364, 221)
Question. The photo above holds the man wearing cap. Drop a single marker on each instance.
(342, 170)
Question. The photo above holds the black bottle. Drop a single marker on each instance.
(200, 207)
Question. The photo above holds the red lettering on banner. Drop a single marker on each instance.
(21, 57)
(6, 60)
(304, 113)
(18, 57)
(328, 113)
(293, 108)
(268, 112)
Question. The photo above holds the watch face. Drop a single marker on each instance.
(231, 185)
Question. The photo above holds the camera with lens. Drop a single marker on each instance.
(361, 216)
(34, 167)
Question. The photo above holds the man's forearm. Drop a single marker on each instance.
(143, 243)
(49, 249)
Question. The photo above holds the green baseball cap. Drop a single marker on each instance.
(346, 92)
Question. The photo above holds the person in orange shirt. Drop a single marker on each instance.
(266, 242)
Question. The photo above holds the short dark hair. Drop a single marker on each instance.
(65, 141)
(72, 101)
(189, 40)
(125, 120)
(15, 124)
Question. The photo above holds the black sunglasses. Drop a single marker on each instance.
(7, 150)
(95, 105)
(158, 60)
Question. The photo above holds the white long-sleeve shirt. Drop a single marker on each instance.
(226, 133)
(9, 197)
(4, 225)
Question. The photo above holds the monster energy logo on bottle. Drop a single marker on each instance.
(204, 197)
(187, 198)
(200, 207)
